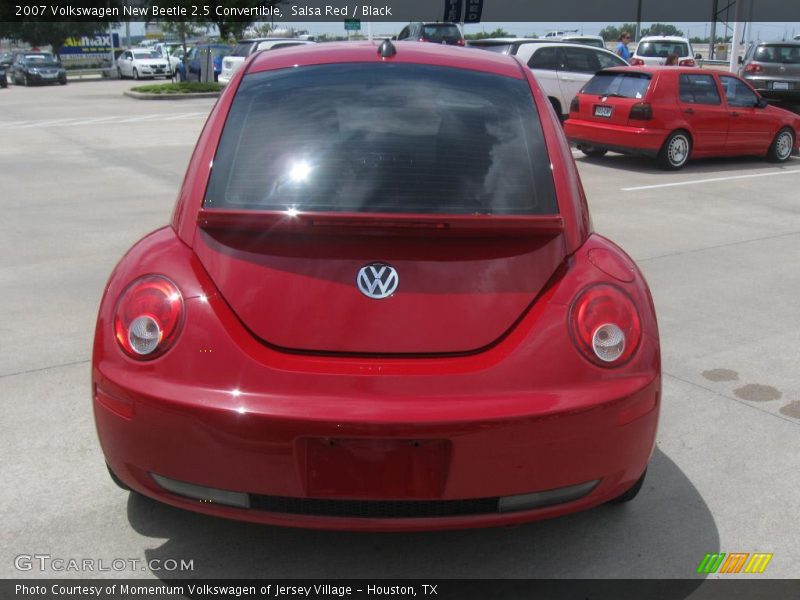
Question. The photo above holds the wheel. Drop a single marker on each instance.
(781, 147)
(135, 73)
(64, 82)
(593, 151)
(117, 480)
(675, 151)
(119, 73)
(631, 493)
(25, 81)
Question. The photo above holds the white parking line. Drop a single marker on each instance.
(710, 180)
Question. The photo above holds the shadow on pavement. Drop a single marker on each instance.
(664, 532)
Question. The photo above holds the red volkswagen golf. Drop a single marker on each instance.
(379, 305)
(674, 114)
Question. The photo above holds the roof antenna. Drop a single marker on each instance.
(387, 49)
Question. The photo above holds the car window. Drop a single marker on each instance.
(382, 138)
(441, 32)
(403, 34)
(581, 60)
(545, 58)
(614, 83)
(607, 60)
(738, 93)
(698, 89)
(192, 53)
(788, 54)
(146, 54)
(662, 49)
(243, 49)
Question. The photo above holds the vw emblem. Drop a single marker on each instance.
(377, 280)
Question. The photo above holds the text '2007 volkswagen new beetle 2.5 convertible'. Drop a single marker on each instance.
(379, 305)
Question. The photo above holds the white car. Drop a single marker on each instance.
(587, 40)
(244, 48)
(655, 49)
(563, 69)
(142, 62)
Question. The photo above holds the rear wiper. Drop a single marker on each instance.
(611, 95)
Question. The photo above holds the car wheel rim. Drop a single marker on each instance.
(678, 150)
(783, 146)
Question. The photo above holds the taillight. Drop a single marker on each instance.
(459, 42)
(753, 68)
(148, 317)
(641, 111)
(686, 62)
(605, 325)
(422, 39)
(575, 105)
(635, 62)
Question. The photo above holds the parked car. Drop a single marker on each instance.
(218, 52)
(595, 41)
(38, 67)
(3, 77)
(244, 48)
(383, 307)
(142, 62)
(563, 69)
(437, 33)
(508, 46)
(674, 114)
(773, 69)
(172, 53)
(655, 49)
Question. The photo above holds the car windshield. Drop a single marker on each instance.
(613, 83)
(146, 54)
(242, 49)
(382, 138)
(40, 61)
(441, 32)
(662, 49)
(788, 54)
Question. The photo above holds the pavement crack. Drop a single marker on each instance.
(737, 400)
(39, 369)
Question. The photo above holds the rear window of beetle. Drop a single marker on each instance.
(616, 83)
(403, 138)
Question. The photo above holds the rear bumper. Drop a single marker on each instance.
(617, 138)
(275, 460)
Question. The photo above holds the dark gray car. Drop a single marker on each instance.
(773, 68)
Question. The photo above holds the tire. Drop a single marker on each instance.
(135, 74)
(119, 73)
(117, 480)
(62, 82)
(781, 147)
(593, 151)
(25, 81)
(675, 152)
(631, 493)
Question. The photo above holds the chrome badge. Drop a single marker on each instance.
(377, 280)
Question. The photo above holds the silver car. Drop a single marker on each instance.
(773, 68)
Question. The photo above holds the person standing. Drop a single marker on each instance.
(622, 47)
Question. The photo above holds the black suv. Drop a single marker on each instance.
(437, 33)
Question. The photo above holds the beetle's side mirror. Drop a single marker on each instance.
(761, 103)
(698, 56)
(741, 60)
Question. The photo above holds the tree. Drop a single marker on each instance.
(611, 32)
(184, 30)
(482, 35)
(41, 33)
(662, 29)
(233, 27)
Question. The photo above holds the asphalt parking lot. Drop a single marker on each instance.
(86, 172)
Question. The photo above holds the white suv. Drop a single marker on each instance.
(563, 69)
(655, 49)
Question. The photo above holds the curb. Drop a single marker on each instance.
(186, 96)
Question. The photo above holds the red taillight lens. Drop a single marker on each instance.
(149, 316)
(635, 62)
(753, 68)
(605, 325)
(686, 62)
(422, 39)
(459, 42)
(575, 105)
(641, 111)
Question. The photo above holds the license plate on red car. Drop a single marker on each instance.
(603, 111)
(780, 85)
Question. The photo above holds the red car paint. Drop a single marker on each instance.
(477, 391)
(714, 129)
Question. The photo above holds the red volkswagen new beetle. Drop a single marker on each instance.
(379, 305)
(674, 114)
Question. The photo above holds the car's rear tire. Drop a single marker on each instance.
(781, 147)
(25, 81)
(117, 480)
(631, 493)
(119, 73)
(135, 74)
(675, 152)
(593, 151)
